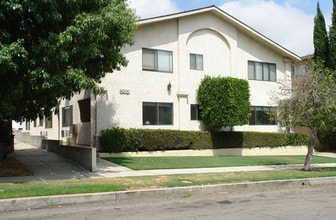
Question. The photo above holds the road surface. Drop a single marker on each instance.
(300, 203)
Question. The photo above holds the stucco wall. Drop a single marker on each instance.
(225, 50)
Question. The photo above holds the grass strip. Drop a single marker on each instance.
(63, 187)
(150, 163)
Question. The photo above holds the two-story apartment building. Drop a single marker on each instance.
(170, 56)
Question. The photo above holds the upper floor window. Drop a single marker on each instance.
(157, 60)
(48, 121)
(260, 115)
(39, 120)
(85, 110)
(196, 61)
(261, 71)
(154, 113)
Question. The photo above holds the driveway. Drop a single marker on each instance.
(44, 165)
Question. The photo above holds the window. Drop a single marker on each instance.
(67, 116)
(157, 113)
(293, 70)
(260, 116)
(85, 110)
(157, 60)
(261, 71)
(196, 61)
(195, 112)
(27, 125)
(40, 120)
(48, 121)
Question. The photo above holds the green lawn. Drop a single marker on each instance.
(150, 163)
(75, 186)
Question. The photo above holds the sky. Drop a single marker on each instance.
(289, 23)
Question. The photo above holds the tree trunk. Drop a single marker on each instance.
(307, 164)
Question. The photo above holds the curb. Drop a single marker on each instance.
(115, 197)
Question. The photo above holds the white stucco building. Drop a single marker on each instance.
(170, 56)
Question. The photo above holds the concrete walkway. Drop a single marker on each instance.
(50, 166)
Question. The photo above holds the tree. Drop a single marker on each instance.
(329, 60)
(224, 101)
(52, 49)
(332, 38)
(312, 105)
(321, 41)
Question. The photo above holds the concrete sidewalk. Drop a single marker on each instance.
(50, 166)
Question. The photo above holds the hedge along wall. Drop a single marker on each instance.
(118, 140)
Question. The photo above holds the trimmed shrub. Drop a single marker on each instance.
(116, 140)
(224, 101)
(130, 140)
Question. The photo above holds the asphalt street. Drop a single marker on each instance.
(295, 203)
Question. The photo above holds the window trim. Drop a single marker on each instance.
(156, 65)
(271, 67)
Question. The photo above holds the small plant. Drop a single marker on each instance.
(187, 194)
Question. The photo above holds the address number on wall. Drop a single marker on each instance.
(124, 91)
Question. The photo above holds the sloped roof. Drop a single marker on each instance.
(233, 21)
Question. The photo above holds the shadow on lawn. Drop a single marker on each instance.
(123, 161)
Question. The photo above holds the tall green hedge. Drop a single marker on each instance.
(132, 140)
(224, 101)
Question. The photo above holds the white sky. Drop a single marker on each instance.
(287, 22)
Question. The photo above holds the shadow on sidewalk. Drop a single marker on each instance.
(44, 165)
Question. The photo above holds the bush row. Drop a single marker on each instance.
(117, 140)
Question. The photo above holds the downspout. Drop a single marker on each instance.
(178, 72)
(59, 121)
(95, 122)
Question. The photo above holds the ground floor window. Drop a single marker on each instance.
(155, 113)
(195, 112)
(67, 116)
(260, 115)
(27, 125)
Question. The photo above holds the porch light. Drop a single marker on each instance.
(169, 86)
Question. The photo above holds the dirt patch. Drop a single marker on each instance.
(12, 167)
